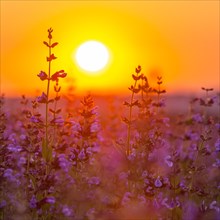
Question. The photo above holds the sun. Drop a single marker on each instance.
(92, 56)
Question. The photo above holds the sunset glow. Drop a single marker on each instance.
(177, 39)
(110, 109)
(92, 56)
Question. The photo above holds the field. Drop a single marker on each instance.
(145, 156)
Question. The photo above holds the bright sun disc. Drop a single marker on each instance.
(92, 56)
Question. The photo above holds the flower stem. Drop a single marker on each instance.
(129, 119)
(48, 90)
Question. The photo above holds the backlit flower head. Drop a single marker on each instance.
(42, 75)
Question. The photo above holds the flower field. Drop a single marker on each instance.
(131, 159)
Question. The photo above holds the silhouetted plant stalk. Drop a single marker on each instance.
(44, 98)
(158, 91)
(49, 59)
(207, 101)
(55, 111)
(134, 89)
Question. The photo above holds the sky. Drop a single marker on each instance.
(178, 40)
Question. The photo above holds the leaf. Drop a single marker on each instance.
(51, 101)
(53, 45)
(37, 114)
(136, 103)
(58, 111)
(136, 77)
(51, 57)
(46, 44)
(127, 104)
(136, 90)
(162, 91)
(124, 119)
(51, 110)
(57, 89)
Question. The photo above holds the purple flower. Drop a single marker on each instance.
(217, 125)
(123, 176)
(33, 202)
(149, 190)
(132, 156)
(166, 181)
(168, 161)
(3, 203)
(12, 137)
(59, 121)
(94, 127)
(94, 180)
(158, 182)
(197, 118)
(95, 148)
(34, 119)
(94, 111)
(63, 162)
(42, 75)
(146, 181)
(183, 186)
(66, 211)
(144, 174)
(72, 156)
(166, 121)
(217, 145)
(203, 207)
(105, 200)
(142, 199)
(126, 198)
(82, 155)
(50, 200)
(217, 163)
(21, 161)
(171, 204)
(42, 98)
(9, 175)
(23, 137)
(90, 214)
(14, 148)
(213, 205)
(75, 126)
(190, 135)
(89, 150)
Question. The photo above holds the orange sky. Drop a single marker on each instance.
(178, 38)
